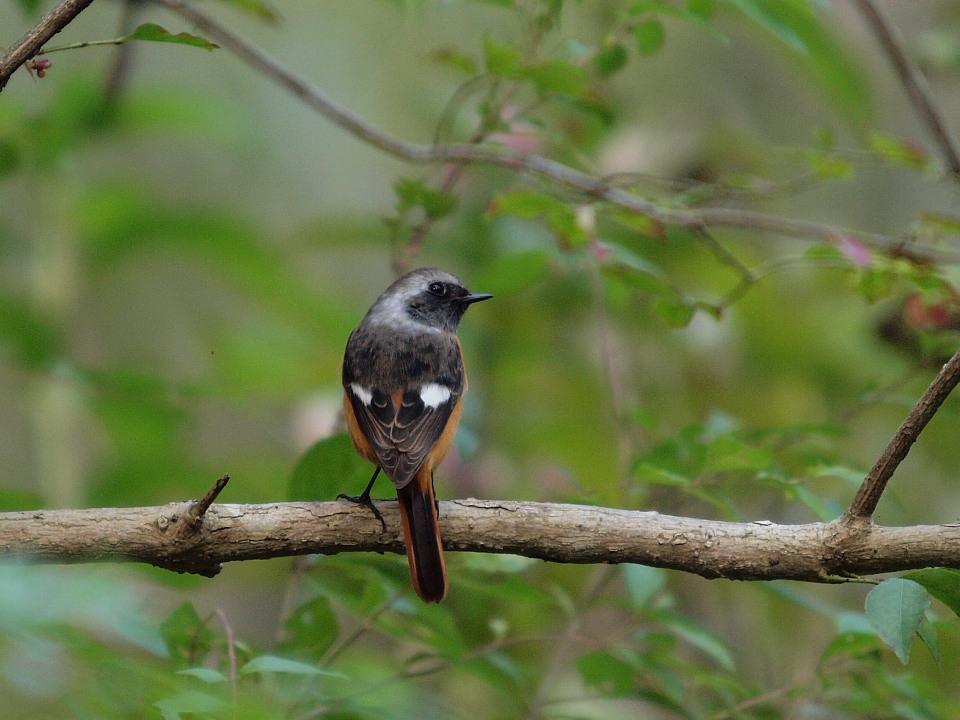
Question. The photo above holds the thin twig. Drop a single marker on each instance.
(913, 82)
(593, 187)
(867, 497)
(30, 44)
(200, 507)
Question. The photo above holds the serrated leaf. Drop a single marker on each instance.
(274, 664)
(895, 609)
(649, 36)
(941, 583)
(154, 33)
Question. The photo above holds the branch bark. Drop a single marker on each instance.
(28, 46)
(164, 537)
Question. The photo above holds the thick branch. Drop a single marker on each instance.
(28, 46)
(913, 82)
(162, 536)
(867, 497)
(592, 186)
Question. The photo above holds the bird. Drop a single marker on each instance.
(403, 382)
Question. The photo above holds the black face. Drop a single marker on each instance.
(442, 304)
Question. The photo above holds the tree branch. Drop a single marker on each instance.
(163, 537)
(595, 187)
(28, 46)
(865, 501)
(913, 82)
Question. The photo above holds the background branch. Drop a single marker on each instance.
(162, 536)
(595, 187)
(913, 81)
(28, 46)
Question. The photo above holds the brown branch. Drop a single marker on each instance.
(200, 507)
(593, 187)
(28, 46)
(865, 502)
(913, 82)
(162, 537)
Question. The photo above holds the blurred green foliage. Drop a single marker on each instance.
(180, 267)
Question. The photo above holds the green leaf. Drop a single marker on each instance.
(928, 633)
(896, 151)
(703, 9)
(700, 638)
(796, 24)
(27, 337)
(453, 58)
(205, 674)
(677, 313)
(501, 59)
(558, 76)
(643, 583)
(653, 475)
(328, 468)
(531, 204)
(608, 674)
(730, 453)
(273, 664)
(942, 583)
(309, 631)
(186, 636)
(412, 192)
(610, 59)
(257, 8)
(188, 702)
(155, 33)
(649, 36)
(895, 609)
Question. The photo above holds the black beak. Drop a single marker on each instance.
(474, 297)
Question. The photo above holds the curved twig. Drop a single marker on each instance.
(913, 82)
(865, 501)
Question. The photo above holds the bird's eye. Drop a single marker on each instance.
(437, 289)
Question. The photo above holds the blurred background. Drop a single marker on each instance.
(185, 247)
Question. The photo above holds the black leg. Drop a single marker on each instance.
(364, 499)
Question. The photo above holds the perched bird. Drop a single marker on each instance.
(403, 382)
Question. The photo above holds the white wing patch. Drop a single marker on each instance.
(434, 395)
(363, 394)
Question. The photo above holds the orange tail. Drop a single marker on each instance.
(421, 534)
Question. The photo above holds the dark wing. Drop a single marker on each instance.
(400, 426)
